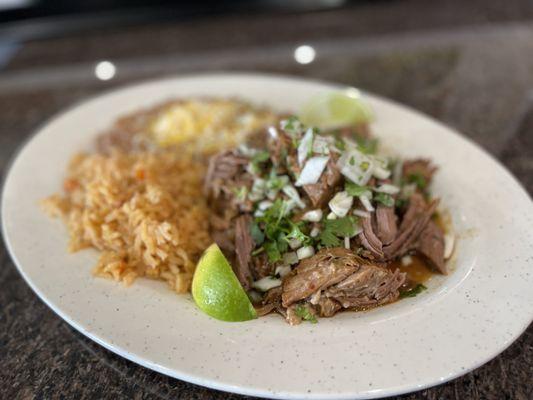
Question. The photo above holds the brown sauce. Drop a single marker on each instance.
(417, 272)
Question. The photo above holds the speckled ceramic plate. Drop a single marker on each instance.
(459, 323)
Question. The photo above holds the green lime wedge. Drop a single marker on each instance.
(335, 110)
(217, 291)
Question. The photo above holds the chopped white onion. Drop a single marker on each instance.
(356, 166)
(258, 190)
(292, 193)
(312, 171)
(347, 242)
(290, 258)
(273, 132)
(247, 151)
(387, 188)
(341, 203)
(366, 203)
(321, 144)
(331, 215)
(264, 205)
(305, 148)
(449, 244)
(305, 252)
(295, 129)
(313, 215)
(406, 260)
(361, 213)
(266, 283)
(315, 297)
(314, 232)
(295, 244)
(255, 296)
(380, 172)
(259, 213)
(282, 270)
(289, 206)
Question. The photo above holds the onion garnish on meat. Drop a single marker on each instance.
(312, 171)
(266, 283)
(313, 215)
(341, 203)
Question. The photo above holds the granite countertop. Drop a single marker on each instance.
(470, 67)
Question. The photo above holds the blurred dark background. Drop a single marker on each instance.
(468, 63)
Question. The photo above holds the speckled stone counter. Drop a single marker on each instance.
(469, 67)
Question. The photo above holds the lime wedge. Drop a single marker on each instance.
(217, 291)
(335, 110)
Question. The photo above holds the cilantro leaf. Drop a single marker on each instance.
(260, 156)
(335, 228)
(413, 291)
(385, 199)
(257, 235)
(272, 251)
(328, 239)
(304, 313)
(353, 189)
(296, 233)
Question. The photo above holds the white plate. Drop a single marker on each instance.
(461, 322)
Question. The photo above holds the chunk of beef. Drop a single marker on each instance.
(244, 246)
(260, 266)
(414, 221)
(386, 224)
(421, 167)
(369, 240)
(327, 307)
(279, 144)
(369, 286)
(327, 267)
(225, 240)
(431, 247)
(223, 168)
(322, 191)
(271, 302)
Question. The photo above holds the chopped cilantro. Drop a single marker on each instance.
(257, 159)
(385, 199)
(366, 145)
(261, 156)
(335, 228)
(276, 182)
(296, 233)
(339, 144)
(292, 124)
(413, 291)
(352, 160)
(418, 180)
(278, 229)
(365, 165)
(257, 235)
(272, 251)
(304, 313)
(353, 189)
